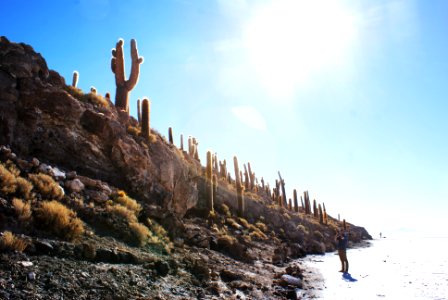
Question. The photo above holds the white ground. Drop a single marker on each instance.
(389, 269)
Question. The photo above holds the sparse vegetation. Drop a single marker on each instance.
(91, 97)
(9, 242)
(122, 212)
(46, 186)
(22, 209)
(7, 181)
(58, 219)
(126, 201)
(140, 233)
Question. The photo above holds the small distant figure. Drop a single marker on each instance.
(381, 234)
(342, 243)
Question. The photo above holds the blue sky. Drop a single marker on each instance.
(347, 99)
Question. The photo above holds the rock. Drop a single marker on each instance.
(230, 275)
(35, 162)
(26, 263)
(43, 247)
(56, 173)
(75, 185)
(291, 280)
(97, 196)
(162, 268)
(31, 276)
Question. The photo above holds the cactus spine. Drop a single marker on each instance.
(145, 118)
(117, 64)
(239, 187)
(75, 79)
(209, 181)
(296, 202)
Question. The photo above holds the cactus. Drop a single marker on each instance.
(182, 142)
(251, 177)
(315, 212)
(107, 96)
(170, 135)
(145, 118)
(190, 146)
(344, 224)
(139, 111)
(93, 90)
(325, 215)
(246, 178)
(239, 187)
(296, 202)
(321, 215)
(117, 64)
(290, 205)
(282, 183)
(75, 79)
(209, 181)
(215, 187)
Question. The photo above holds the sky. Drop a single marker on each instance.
(347, 99)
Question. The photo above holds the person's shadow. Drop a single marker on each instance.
(347, 277)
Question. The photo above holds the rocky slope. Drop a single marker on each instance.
(143, 230)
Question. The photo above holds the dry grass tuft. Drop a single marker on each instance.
(140, 233)
(24, 187)
(47, 186)
(57, 218)
(9, 242)
(92, 98)
(126, 201)
(244, 223)
(261, 226)
(22, 209)
(7, 181)
(122, 212)
(232, 223)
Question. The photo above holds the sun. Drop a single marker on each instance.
(288, 41)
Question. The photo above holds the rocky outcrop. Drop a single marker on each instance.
(39, 118)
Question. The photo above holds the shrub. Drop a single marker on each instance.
(134, 131)
(24, 187)
(126, 201)
(244, 223)
(22, 209)
(318, 236)
(9, 242)
(140, 233)
(258, 235)
(93, 98)
(46, 186)
(57, 218)
(302, 229)
(261, 226)
(224, 209)
(12, 168)
(122, 212)
(231, 222)
(7, 181)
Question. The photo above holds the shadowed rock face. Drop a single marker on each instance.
(38, 118)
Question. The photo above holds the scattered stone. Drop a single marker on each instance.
(31, 276)
(75, 185)
(162, 268)
(26, 263)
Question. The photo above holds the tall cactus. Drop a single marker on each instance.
(282, 183)
(239, 187)
(246, 178)
(315, 212)
(296, 201)
(146, 118)
(170, 135)
(181, 142)
(251, 177)
(209, 181)
(75, 79)
(117, 64)
(325, 215)
(139, 111)
(321, 215)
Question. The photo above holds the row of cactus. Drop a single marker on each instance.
(214, 168)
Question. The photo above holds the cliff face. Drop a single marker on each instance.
(40, 118)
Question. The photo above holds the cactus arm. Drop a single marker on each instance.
(135, 66)
(117, 63)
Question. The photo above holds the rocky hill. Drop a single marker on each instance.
(92, 208)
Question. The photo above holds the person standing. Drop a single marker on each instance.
(341, 245)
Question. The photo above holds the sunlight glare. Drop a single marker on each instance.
(288, 40)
